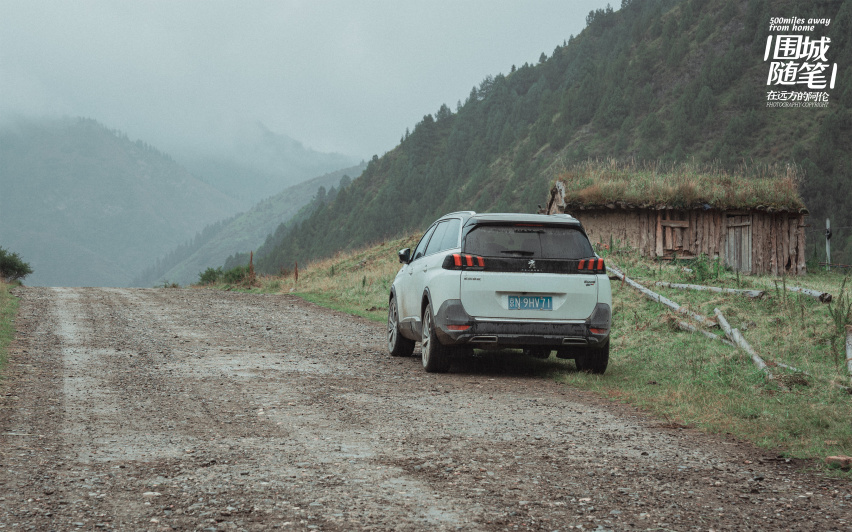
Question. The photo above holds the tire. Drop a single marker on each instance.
(435, 355)
(538, 352)
(593, 360)
(398, 345)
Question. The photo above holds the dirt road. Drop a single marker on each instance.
(199, 410)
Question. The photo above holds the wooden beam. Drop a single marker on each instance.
(692, 328)
(737, 338)
(659, 242)
(668, 243)
(707, 322)
(785, 242)
(773, 248)
(749, 293)
(824, 297)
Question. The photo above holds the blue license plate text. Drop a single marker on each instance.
(530, 303)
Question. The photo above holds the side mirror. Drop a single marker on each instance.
(404, 255)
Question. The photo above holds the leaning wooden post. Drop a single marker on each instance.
(737, 338)
(849, 350)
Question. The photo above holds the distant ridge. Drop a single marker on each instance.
(241, 233)
(257, 163)
(86, 206)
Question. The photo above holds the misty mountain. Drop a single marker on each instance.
(256, 163)
(241, 233)
(657, 80)
(86, 206)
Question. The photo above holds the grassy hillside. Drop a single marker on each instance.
(657, 80)
(683, 377)
(84, 205)
(241, 233)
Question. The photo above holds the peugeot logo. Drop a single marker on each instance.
(531, 264)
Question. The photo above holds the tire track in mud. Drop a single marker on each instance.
(161, 409)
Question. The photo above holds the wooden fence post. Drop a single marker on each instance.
(827, 244)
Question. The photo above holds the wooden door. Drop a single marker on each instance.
(738, 243)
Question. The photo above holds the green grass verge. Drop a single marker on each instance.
(8, 311)
(356, 283)
(679, 376)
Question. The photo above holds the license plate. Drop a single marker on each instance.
(530, 303)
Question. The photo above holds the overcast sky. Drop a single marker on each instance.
(345, 76)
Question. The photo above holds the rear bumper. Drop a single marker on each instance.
(455, 327)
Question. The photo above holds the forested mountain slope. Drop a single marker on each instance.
(659, 80)
(85, 206)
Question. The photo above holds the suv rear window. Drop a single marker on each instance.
(523, 241)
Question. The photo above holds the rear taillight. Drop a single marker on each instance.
(462, 261)
(595, 265)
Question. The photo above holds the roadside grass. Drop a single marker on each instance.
(693, 380)
(682, 377)
(356, 283)
(8, 311)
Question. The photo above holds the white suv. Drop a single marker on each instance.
(528, 281)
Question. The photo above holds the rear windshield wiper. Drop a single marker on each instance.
(518, 251)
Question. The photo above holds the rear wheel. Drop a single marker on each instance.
(398, 345)
(435, 356)
(593, 360)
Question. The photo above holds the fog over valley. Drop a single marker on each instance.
(129, 129)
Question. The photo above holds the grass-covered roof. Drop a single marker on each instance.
(593, 184)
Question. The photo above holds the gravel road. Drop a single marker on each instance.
(162, 409)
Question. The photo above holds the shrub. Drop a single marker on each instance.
(703, 268)
(210, 276)
(12, 268)
(236, 275)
